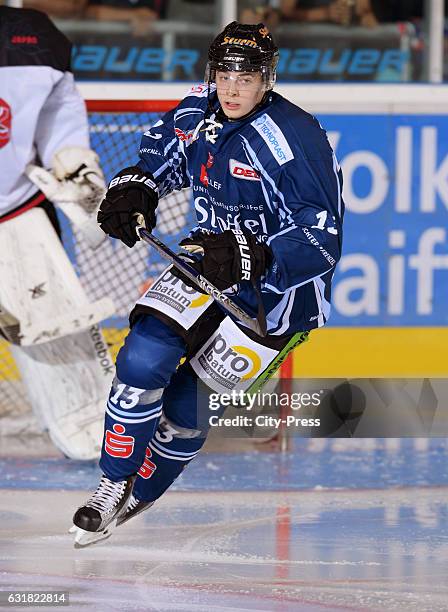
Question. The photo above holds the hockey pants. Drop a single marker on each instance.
(156, 416)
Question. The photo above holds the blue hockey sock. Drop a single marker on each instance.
(145, 364)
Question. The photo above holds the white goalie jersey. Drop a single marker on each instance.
(41, 111)
(45, 314)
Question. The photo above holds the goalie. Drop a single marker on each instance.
(45, 159)
(268, 197)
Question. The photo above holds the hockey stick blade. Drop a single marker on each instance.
(198, 279)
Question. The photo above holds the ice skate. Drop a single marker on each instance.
(134, 507)
(97, 519)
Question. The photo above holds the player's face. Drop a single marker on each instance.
(239, 92)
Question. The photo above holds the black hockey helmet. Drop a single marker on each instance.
(243, 48)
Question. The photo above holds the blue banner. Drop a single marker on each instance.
(394, 269)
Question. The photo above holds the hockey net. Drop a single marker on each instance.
(113, 269)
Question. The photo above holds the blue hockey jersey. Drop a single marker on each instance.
(273, 174)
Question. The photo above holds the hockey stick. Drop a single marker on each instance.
(257, 325)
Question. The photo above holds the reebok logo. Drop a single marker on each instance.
(101, 351)
(242, 171)
(24, 40)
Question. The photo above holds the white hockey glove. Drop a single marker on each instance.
(76, 178)
(76, 185)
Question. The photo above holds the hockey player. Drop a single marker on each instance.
(267, 193)
(43, 309)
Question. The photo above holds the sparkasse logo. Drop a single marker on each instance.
(242, 171)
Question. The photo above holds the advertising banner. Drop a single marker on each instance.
(394, 268)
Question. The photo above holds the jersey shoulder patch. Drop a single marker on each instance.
(199, 90)
(190, 111)
(274, 138)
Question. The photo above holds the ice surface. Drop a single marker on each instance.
(219, 545)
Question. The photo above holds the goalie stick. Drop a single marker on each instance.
(257, 325)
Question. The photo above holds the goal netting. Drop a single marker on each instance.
(112, 270)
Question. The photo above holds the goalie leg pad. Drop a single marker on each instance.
(67, 380)
(39, 286)
(145, 365)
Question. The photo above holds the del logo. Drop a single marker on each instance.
(117, 444)
(5, 123)
(197, 90)
(242, 171)
(229, 364)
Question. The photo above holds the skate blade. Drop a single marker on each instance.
(85, 538)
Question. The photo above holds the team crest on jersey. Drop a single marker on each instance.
(199, 90)
(184, 136)
(5, 123)
(204, 178)
(242, 171)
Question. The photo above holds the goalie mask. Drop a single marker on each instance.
(243, 48)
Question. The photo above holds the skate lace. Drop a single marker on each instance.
(107, 495)
(133, 503)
